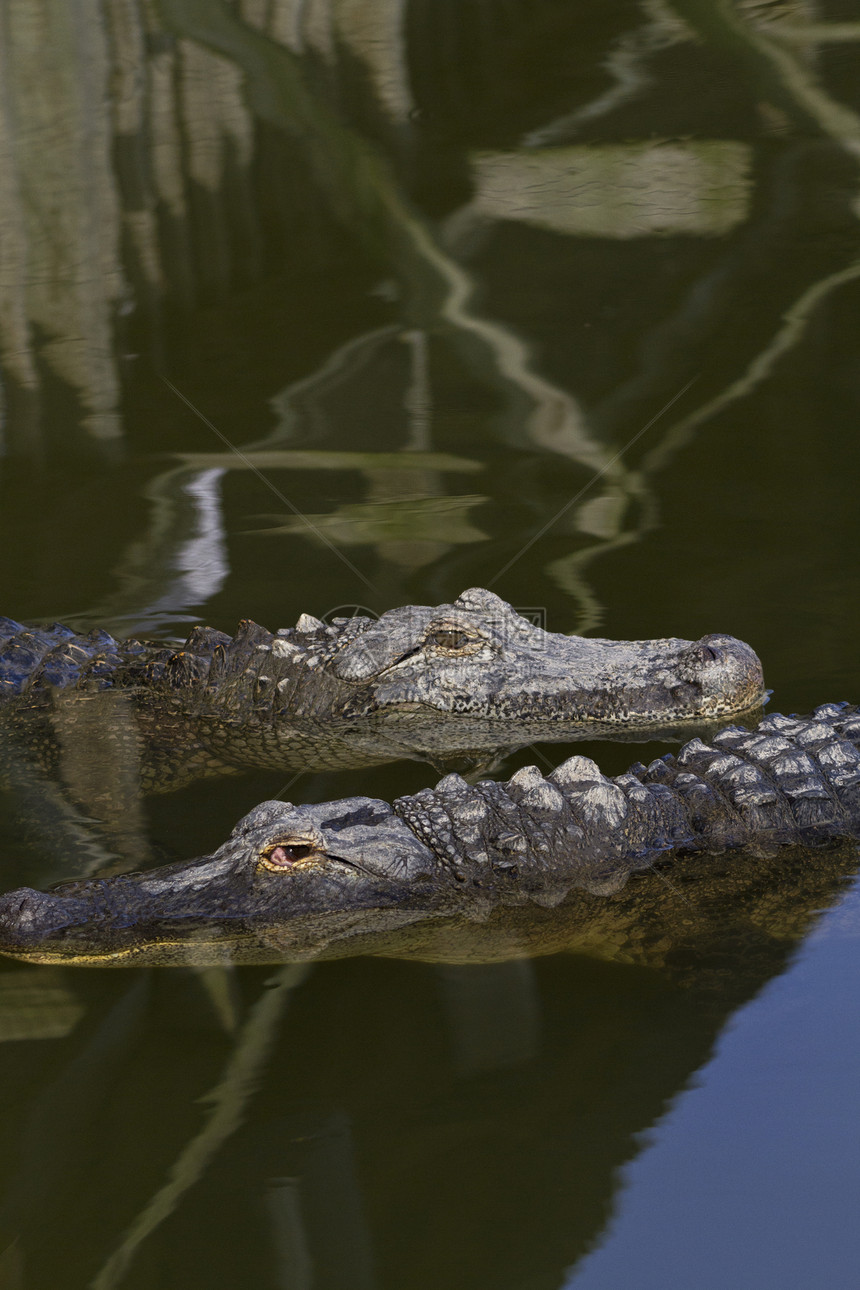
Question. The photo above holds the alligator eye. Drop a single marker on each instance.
(285, 854)
(448, 639)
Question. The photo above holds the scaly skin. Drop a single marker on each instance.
(294, 881)
(419, 681)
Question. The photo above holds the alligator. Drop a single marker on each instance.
(298, 881)
(419, 681)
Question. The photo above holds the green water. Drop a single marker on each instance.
(322, 305)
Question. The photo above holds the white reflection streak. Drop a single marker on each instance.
(202, 560)
(627, 64)
(557, 422)
(617, 457)
(796, 320)
(836, 119)
(337, 368)
(272, 488)
(816, 33)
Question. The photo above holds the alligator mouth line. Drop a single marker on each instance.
(679, 716)
(184, 951)
(54, 958)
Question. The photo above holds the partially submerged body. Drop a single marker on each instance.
(462, 679)
(360, 875)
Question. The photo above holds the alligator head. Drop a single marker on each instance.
(287, 879)
(295, 882)
(478, 659)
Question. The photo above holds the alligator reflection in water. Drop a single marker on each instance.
(529, 1082)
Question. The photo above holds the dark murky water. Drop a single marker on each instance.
(558, 299)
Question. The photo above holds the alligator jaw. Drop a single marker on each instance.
(278, 888)
(521, 674)
(49, 927)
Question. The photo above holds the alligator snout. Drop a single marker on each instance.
(728, 671)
